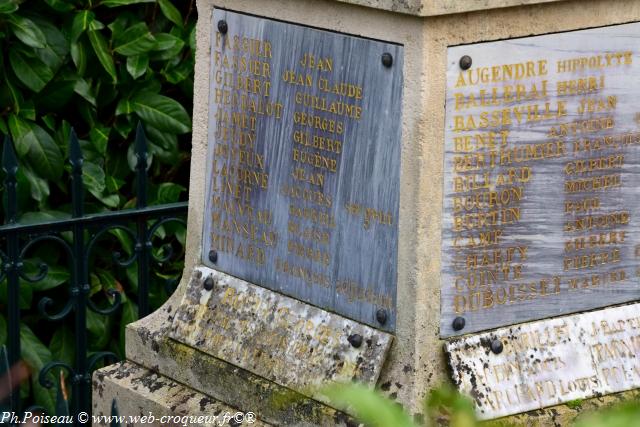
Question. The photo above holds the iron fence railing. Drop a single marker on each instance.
(76, 236)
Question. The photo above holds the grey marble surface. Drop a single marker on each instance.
(324, 229)
(588, 82)
(548, 362)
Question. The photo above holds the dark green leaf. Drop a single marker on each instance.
(28, 110)
(93, 177)
(102, 52)
(58, 92)
(96, 25)
(57, 47)
(137, 65)
(39, 187)
(27, 31)
(192, 38)
(96, 323)
(110, 200)
(8, 6)
(81, 22)
(43, 215)
(60, 5)
(168, 192)
(25, 295)
(31, 71)
(166, 41)
(39, 147)
(115, 3)
(180, 72)
(135, 40)
(50, 121)
(121, 22)
(11, 94)
(63, 346)
(171, 12)
(99, 136)
(113, 184)
(79, 56)
(162, 112)
(123, 238)
(36, 354)
(56, 276)
(82, 88)
(124, 107)
(21, 134)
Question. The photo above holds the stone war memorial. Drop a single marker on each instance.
(403, 194)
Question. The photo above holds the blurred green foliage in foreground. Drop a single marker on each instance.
(446, 407)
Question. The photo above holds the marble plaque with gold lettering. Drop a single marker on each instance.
(542, 177)
(549, 362)
(304, 164)
(279, 338)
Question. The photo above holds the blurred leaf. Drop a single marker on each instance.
(28, 110)
(102, 52)
(169, 192)
(82, 88)
(99, 136)
(29, 69)
(26, 30)
(135, 40)
(81, 22)
(96, 323)
(368, 405)
(60, 5)
(180, 72)
(162, 112)
(93, 177)
(57, 46)
(167, 41)
(8, 6)
(38, 146)
(25, 295)
(36, 354)
(137, 65)
(63, 345)
(79, 56)
(56, 276)
(115, 3)
(39, 187)
(446, 403)
(170, 11)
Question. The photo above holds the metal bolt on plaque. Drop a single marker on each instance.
(458, 323)
(222, 26)
(496, 346)
(208, 283)
(465, 62)
(381, 316)
(387, 59)
(355, 340)
(213, 256)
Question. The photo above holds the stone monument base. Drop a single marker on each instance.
(196, 373)
(141, 393)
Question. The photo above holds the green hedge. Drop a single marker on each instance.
(100, 67)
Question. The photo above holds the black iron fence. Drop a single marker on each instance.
(77, 236)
